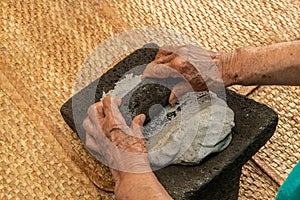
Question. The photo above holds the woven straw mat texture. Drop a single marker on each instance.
(281, 153)
(42, 47)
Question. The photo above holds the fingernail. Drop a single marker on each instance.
(118, 101)
(172, 99)
(143, 117)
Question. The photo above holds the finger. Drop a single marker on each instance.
(159, 71)
(95, 113)
(110, 103)
(168, 49)
(137, 125)
(114, 109)
(165, 58)
(213, 54)
(90, 129)
(87, 124)
(106, 105)
(181, 64)
(118, 101)
(163, 51)
(113, 116)
(178, 90)
(90, 142)
(100, 109)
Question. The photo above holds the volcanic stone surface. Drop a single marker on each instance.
(215, 178)
(144, 96)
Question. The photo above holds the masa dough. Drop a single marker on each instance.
(187, 132)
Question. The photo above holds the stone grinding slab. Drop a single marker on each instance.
(185, 133)
(218, 176)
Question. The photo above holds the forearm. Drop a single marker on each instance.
(140, 186)
(277, 64)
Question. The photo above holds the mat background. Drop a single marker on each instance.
(43, 45)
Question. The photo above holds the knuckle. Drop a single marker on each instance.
(91, 109)
(106, 101)
(88, 143)
(107, 98)
(183, 48)
(180, 62)
(85, 123)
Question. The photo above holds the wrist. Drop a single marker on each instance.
(141, 186)
(128, 182)
(227, 64)
(121, 177)
(126, 177)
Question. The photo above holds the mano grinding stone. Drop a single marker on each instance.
(147, 98)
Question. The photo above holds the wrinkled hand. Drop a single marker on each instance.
(199, 67)
(107, 133)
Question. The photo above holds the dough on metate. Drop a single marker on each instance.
(184, 133)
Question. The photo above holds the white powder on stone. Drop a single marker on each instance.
(123, 86)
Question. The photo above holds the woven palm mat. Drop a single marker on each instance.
(42, 47)
(282, 151)
(280, 154)
(255, 184)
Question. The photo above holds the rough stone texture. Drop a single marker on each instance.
(146, 94)
(218, 176)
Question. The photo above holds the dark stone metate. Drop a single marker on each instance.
(148, 97)
(218, 176)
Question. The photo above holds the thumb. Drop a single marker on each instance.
(137, 125)
(179, 90)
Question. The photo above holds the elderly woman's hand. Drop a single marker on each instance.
(123, 147)
(201, 69)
